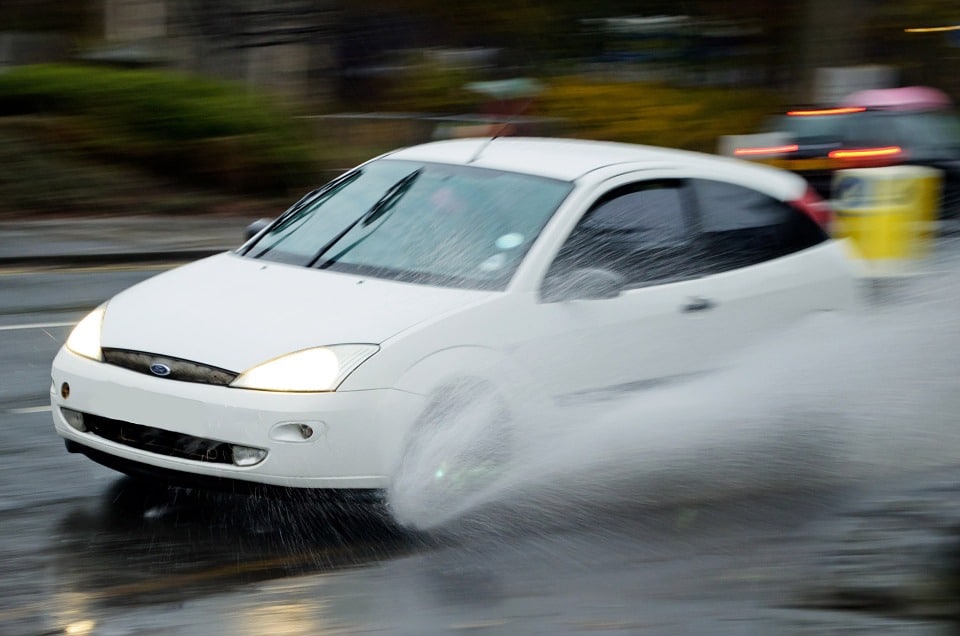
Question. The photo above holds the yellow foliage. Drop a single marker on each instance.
(655, 114)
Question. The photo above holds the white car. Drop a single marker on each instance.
(385, 303)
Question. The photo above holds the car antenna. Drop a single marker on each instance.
(500, 129)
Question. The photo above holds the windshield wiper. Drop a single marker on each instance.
(295, 212)
(383, 205)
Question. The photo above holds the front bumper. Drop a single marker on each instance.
(356, 442)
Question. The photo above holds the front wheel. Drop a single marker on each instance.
(458, 449)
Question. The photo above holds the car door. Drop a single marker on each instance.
(642, 231)
(766, 265)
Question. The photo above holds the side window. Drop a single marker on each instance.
(870, 129)
(639, 231)
(741, 227)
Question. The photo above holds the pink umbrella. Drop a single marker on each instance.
(905, 98)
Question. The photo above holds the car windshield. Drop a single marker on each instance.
(438, 224)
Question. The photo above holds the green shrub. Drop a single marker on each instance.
(215, 131)
(645, 113)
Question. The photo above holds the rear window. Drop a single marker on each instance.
(810, 129)
(939, 130)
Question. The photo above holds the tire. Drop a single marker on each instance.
(456, 452)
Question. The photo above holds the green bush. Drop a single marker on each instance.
(43, 175)
(659, 115)
(214, 131)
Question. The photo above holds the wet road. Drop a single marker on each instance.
(86, 551)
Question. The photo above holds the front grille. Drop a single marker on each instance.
(180, 369)
(159, 441)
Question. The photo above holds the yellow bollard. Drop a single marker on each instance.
(889, 214)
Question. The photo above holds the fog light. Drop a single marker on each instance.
(247, 456)
(74, 419)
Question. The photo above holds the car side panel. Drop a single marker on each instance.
(752, 303)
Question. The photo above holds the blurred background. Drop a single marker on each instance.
(222, 105)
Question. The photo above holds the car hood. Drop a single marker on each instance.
(233, 312)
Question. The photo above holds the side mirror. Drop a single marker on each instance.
(582, 284)
(255, 228)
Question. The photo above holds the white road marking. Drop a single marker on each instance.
(30, 409)
(38, 325)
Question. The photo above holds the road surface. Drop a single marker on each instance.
(84, 550)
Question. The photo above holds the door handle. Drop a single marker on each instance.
(698, 303)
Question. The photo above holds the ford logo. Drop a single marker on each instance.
(158, 368)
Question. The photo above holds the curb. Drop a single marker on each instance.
(110, 258)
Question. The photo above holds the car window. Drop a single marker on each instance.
(639, 231)
(740, 226)
(871, 129)
(935, 131)
(437, 224)
(298, 234)
(810, 129)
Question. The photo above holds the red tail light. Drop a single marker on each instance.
(769, 150)
(816, 208)
(866, 153)
(846, 110)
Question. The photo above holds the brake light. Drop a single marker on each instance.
(816, 208)
(769, 150)
(866, 153)
(846, 110)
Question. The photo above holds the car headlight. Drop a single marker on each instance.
(84, 340)
(309, 370)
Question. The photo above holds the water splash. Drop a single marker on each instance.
(836, 398)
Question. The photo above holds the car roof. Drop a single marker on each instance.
(569, 159)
